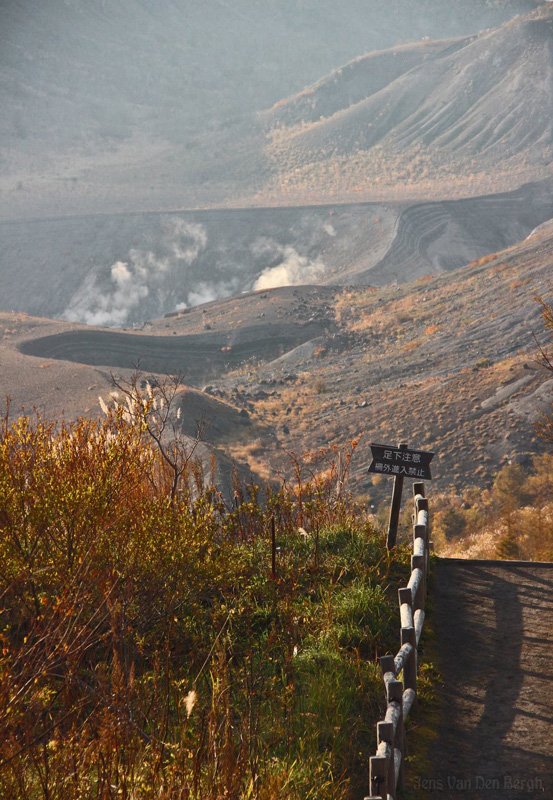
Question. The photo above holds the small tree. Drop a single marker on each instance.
(155, 408)
(510, 487)
(453, 523)
(508, 547)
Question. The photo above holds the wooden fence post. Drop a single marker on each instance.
(395, 695)
(378, 777)
(408, 637)
(386, 766)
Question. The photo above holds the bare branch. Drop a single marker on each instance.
(151, 405)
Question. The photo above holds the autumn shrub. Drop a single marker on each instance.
(512, 519)
(478, 262)
(149, 647)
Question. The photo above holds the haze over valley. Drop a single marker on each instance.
(126, 106)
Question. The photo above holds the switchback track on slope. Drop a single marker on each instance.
(494, 627)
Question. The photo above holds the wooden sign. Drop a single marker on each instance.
(401, 462)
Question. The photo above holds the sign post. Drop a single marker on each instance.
(399, 462)
(393, 522)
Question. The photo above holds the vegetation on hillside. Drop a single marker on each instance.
(513, 519)
(157, 641)
(545, 359)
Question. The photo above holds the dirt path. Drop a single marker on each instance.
(494, 626)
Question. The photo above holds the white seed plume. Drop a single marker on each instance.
(190, 702)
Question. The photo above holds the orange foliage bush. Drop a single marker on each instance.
(146, 649)
(478, 262)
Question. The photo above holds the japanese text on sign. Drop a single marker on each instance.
(396, 469)
(398, 461)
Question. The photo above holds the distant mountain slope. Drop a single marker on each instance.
(354, 82)
(199, 60)
(473, 112)
(142, 104)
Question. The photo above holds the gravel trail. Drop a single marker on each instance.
(494, 626)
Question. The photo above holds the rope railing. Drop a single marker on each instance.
(386, 767)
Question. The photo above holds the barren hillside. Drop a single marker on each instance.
(446, 361)
(458, 115)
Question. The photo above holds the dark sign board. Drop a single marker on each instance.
(388, 460)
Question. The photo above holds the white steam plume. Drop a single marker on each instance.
(111, 299)
(207, 292)
(292, 271)
(188, 239)
(264, 247)
(96, 306)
